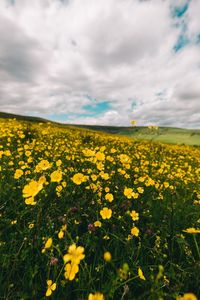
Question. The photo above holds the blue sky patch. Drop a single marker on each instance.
(182, 41)
(179, 11)
(12, 2)
(134, 105)
(58, 117)
(97, 108)
(198, 39)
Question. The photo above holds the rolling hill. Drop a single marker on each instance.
(169, 135)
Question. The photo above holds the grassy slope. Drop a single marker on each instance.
(164, 134)
(22, 118)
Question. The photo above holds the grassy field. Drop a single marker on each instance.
(92, 216)
(163, 134)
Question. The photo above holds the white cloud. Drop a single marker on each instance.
(53, 54)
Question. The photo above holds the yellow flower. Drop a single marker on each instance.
(62, 231)
(104, 176)
(96, 296)
(100, 156)
(135, 231)
(166, 184)
(70, 271)
(61, 234)
(125, 159)
(42, 180)
(50, 287)
(31, 225)
(94, 177)
(30, 201)
(134, 215)
(13, 222)
(75, 254)
(97, 224)
(107, 256)
(59, 163)
(18, 174)
(42, 165)
(56, 176)
(140, 190)
(128, 192)
(192, 230)
(135, 195)
(187, 296)
(109, 197)
(32, 189)
(140, 274)
(106, 213)
(107, 189)
(64, 184)
(78, 178)
(47, 245)
(88, 152)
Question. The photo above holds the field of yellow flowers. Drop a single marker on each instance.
(93, 216)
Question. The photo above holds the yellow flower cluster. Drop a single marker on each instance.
(76, 187)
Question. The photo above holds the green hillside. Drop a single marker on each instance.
(163, 134)
(4, 115)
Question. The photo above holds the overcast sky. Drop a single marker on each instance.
(102, 61)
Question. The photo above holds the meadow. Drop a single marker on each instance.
(92, 216)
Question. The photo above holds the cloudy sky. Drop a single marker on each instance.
(102, 61)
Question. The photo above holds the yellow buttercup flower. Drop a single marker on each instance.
(106, 213)
(140, 274)
(42, 165)
(97, 224)
(31, 225)
(70, 271)
(128, 192)
(18, 174)
(61, 234)
(187, 296)
(78, 178)
(140, 190)
(59, 163)
(75, 254)
(135, 231)
(56, 176)
(192, 230)
(30, 201)
(50, 287)
(109, 197)
(107, 256)
(134, 215)
(32, 189)
(96, 296)
(48, 244)
(104, 176)
(62, 231)
(13, 222)
(100, 156)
